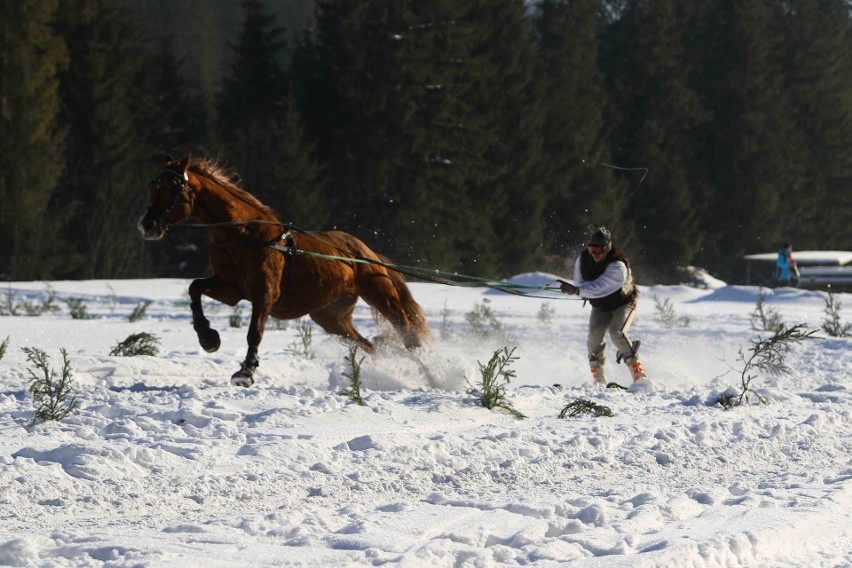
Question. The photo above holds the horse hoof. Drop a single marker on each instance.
(210, 341)
(244, 377)
(241, 379)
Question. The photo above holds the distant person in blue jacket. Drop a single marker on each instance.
(786, 272)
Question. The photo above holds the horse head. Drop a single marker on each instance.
(172, 199)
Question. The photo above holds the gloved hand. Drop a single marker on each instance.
(569, 288)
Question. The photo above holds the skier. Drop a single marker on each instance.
(602, 276)
(786, 271)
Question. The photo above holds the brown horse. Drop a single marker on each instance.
(282, 283)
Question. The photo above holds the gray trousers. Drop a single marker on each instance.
(618, 323)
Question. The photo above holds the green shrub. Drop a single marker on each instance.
(303, 345)
(446, 324)
(53, 400)
(545, 313)
(584, 406)
(832, 324)
(10, 305)
(236, 317)
(482, 320)
(494, 377)
(354, 376)
(765, 318)
(665, 314)
(766, 355)
(78, 309)
(137, 344)
(139, 311)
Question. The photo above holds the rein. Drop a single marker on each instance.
(428, 274)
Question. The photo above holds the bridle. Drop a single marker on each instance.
(183, 189)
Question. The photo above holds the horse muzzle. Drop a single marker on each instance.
(151, 228)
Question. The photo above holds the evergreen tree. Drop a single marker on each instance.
(261, 128)
(818, 65)
(302, 196)
(511, 99)
(313, 89)
(661, 118)
(180, 120)
(408, 147)
(253, 98)
(190, 38)
(103, 111)
(31, 143)
(583, 193)
(447, 204)
(750, 156)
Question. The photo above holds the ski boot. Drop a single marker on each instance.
(598, 372)
(636, 368)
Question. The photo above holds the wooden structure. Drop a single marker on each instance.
(818, 269)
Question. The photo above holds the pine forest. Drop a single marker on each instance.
(486, 137)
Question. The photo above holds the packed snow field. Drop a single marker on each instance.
(167, 464)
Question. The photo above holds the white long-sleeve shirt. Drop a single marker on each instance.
(615, 277)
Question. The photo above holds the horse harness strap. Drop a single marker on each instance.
(288, 249)
(272, 243)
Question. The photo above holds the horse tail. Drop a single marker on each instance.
(418, 326)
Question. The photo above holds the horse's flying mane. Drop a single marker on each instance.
(213, 171)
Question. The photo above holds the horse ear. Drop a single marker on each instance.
(183, 166)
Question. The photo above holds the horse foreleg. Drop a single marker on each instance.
(217, 289)
(245, 376)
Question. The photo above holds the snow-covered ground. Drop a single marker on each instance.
(167, 464)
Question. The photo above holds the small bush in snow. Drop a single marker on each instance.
(545, 313)
(665, 314)
(494, 377)
(53, 400)
(3, 346)
(446, 324)
(584, 406)
(139, 311)
(768, 356)
(10, 305)
(137, 344)
(113, 298)
(832, 324)
(765, 318)
(236, 317)
(484, 323)
(303, 346)
(354, 392)
(78, 309)
(48, 304)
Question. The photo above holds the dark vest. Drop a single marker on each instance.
(591, 270)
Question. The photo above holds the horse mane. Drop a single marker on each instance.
(229, 181)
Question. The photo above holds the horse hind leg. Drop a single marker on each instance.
(394, 301)
(336, 319)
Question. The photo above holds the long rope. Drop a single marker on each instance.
(428, 274)
(439, 276)
(630, 170)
